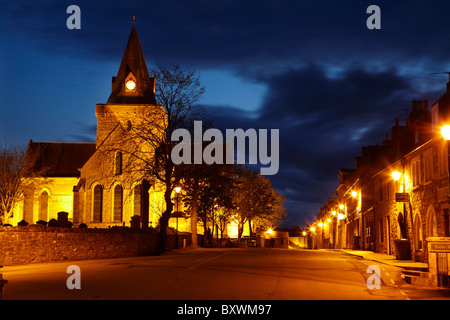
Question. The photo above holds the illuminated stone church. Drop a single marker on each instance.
(88, 180)
(85, 179)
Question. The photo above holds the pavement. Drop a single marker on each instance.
(386, 259)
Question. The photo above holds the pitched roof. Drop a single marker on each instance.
(53, 159)
(133, 65)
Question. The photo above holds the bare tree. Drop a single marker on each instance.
(16, 165)
(145, 139)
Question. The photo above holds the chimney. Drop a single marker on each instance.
(425, 105)
(414, 105)
(419, 105)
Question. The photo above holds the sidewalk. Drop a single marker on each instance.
(386, 259)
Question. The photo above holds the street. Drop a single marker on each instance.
(215, 274)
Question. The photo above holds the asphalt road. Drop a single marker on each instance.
(215, 274)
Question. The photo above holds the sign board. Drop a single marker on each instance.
(401, 197)
(369, 216)
(440, 247)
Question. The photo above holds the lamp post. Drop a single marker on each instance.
(445, 131)
(177, 190)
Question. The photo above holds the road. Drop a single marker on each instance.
(215, 274)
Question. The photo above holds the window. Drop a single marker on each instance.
(415, 171)
(428, 165)
(118, 163)
(118, 203)
(137, 200)
(443, 157)
(98, 203)
(418, 233)
(381, 230)
(43, 206)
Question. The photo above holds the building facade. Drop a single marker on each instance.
(398, 192)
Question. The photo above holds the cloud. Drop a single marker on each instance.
(324, 122)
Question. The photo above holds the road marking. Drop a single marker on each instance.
(387, 274)
(205, 260)
(392, 281)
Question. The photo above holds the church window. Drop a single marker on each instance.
(98, 203)
(118, 203)
(137, 200)
(43, 206)
(118, 163)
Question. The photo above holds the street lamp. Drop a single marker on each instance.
(445, 131)
(396, 175)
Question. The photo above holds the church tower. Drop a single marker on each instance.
(132, 88)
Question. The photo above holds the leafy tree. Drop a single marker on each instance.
(257, 201)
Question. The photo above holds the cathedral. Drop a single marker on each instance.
(87, 180)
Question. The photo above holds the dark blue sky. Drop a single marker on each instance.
(309, 68)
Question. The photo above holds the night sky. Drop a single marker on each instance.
(311, 69)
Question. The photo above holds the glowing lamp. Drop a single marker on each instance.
(396, 175)
(445, 131)
(177, 189)
(354, 194)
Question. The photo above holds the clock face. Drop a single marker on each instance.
(130, 85)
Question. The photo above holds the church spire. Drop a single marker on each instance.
(133, 84)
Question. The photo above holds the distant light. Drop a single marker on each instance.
(177, 189)
(329, 220)
(270, 231)
(333, 213)
(320, 224)
(304, 233)
(396, 175)
(354, 194)
(341, 206)
(445, 131)
(341, 216)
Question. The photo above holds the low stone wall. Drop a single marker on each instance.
(37, 244)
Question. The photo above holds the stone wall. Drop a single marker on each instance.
(38, 244)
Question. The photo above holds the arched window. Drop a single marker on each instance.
(118, 163)
(431, 223)
(98, 203)
(43, 206)
(137, 193)
(118, 203)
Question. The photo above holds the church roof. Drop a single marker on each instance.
(54, 159)
(133, 67)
